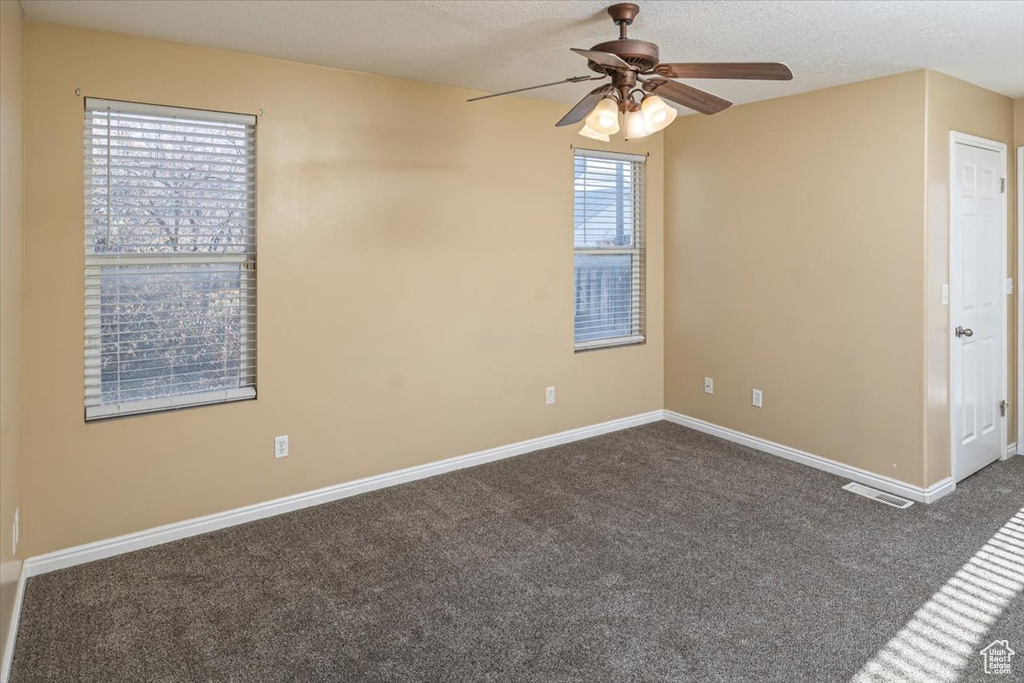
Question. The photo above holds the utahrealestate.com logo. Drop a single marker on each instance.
(997, 658)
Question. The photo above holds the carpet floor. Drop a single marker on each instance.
(652, 554)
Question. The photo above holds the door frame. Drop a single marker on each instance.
(956, 138)
(1020, 304)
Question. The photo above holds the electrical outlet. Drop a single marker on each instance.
(756, 398)
(281, 446)
(709, 385)
(16, 531)
(549, 396)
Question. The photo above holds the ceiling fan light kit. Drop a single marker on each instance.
(588, 132)
(605, 117)
(640, 84)
(635, 125)
(657, 113)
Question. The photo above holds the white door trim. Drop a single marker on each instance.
(12, 628)
(956, 138)
(1020, 304)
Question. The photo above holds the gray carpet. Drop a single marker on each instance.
(652, 554)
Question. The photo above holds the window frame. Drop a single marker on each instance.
(95, 262)
(638, 267)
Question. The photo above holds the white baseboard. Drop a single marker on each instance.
(921, 495)
(98, 550)
(12, 631)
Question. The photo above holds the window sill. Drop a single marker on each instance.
(109, 410)
(610, 342)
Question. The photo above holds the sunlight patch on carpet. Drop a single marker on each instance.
(945, 634)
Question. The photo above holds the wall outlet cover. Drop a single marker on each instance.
(709, 385)
(755, 398)
(281, 446)
(549, 396)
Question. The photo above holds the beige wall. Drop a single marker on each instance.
(11, 238)
(415, 280)
(954, 105)
(1015, 222)
(1018, 123)
(415, 287)
(794, 253)
(806, 248)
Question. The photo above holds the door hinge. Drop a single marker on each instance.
(1002, 185)
(1003, 405)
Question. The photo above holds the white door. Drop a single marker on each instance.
(978, 307)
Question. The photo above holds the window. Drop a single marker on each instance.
(170, 258)
(609, 245)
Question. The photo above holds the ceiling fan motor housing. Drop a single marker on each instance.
(640, 54)
(636, 53)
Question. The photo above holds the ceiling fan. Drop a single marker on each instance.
(639, 82)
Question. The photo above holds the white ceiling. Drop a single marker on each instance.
(494, 46)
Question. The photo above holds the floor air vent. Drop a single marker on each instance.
(880, 496)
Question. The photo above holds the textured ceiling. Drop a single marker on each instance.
(494, 46)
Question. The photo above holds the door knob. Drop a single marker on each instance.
(964, 332)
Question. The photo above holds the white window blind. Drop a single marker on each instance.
(170, 257)
(609, 249)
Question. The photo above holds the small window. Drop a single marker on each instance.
(170, 258)
(609, 249)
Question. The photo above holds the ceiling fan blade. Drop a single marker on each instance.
(688, 96)
(584, 106)
(760, 71)
(573, 79)
(603, 58)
